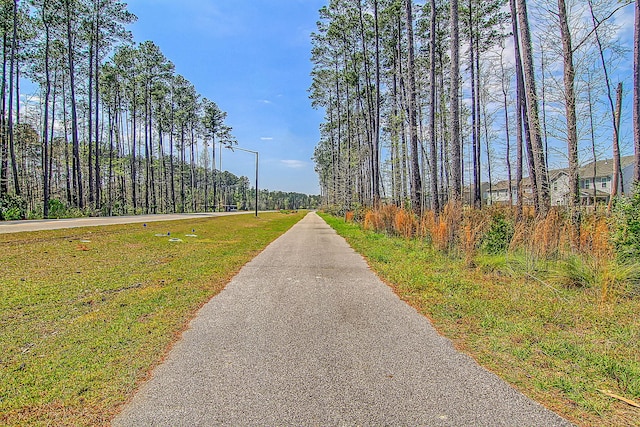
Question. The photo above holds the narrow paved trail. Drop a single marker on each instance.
(307, 335)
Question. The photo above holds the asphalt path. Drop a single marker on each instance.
(307, 335)
(54, 224)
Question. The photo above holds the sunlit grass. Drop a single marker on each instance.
(557, 344)
(85, 313)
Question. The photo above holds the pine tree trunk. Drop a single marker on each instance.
(193, 172)
(435, 195)
(376, 141)
(592, 130)
(542, 178)
(618, 183)
(416, 181)
(113, 132)
(519, 108)
(12, 151)
(474, 119)
(98, 181)
(456, 172)
(45, 126)
(572, 126)
(52, 131)
(172, 160)
(134, 174)
(70, 196)
(77, 168)
(182, 162)
(4, 143)
(91, 194)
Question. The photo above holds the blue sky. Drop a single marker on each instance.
(252, 57)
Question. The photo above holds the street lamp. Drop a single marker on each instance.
(232, 148)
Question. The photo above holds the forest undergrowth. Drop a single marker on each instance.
(551, 308)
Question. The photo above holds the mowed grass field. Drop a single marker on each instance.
(86, 313)
(561, 347)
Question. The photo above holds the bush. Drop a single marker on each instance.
(496, 240)
(57, 209)
(626, 227)
(12, 207)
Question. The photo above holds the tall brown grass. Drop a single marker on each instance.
(405, 223)
(584, 260)
(461, 229)
(349, 216)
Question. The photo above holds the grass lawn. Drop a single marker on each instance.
(86, 313)
(558, 346)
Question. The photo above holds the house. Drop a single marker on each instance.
(558, 189)
(467, 194)
(596, 179)
(595, 184)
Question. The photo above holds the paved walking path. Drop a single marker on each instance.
(55, 224)
(307, 335)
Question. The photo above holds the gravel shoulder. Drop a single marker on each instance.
(306, 334)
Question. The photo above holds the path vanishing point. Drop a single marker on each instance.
(307, 335)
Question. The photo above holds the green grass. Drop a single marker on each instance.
(82, 323)
(558, 345)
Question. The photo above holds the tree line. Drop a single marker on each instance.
(112, 129)
(424, 100)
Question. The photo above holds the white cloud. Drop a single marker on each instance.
(266, 138)
(294, 164)
(265, 101)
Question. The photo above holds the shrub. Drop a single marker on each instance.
(626, 227)
(57, 209)
(12, 207)
(496, 240)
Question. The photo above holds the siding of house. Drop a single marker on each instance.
(559, 188)
(559, 183)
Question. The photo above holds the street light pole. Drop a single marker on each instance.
(256, 153)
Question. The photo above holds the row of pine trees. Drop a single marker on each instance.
(112, 128)
(426, 100)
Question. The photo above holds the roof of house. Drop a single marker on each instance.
(554, 174)
(557, 173)
(500, 185)
(603, 167)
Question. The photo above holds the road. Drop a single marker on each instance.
(54, 224)
(307, 335)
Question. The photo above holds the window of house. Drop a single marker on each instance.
(586, 184)
(555, 186)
